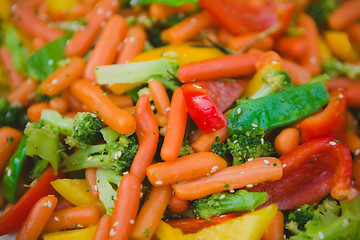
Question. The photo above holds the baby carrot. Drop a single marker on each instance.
(175, 128)
(354, 32)
(299, 74)
(63, 76)
(204, 142)
(353, 142)
(38, 43)
(103, 228)
(151, 213)
(160, 11)
(14, 76)
(37, 218)
(161, 120)
(26, 20)
(290, 46)
(228, 66)
(178, 205)
(9, 140)
(59, 104)
(286, 140)
(122, 101)
(125, 208)
(353, 95)
(132, 45)
(34, 111)
(74, 217)
(24, 93)
(202, 164)
(83, 39)
(74, 104)
(248, 174)
(104, 52)
(96, 100)
(187, 28)
(160, 97)
(276, 229)
(347, 13)
(147, 132)
(90, 175)
(239, 42)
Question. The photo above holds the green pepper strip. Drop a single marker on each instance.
(12, 172)
(279, 109)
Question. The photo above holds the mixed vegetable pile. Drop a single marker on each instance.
(164, 119)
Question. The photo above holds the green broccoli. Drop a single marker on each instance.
(334, 68)
(11, 115)
(220, 203)
(186, 149)
(116, 155)
(321, 10)
(218, 148)
(40, 165)
(331, 220)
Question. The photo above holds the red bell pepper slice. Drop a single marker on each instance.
(12, 220)
(332, 122)
(202, 109)
(193, 225)
(240, 17)
(310, 172)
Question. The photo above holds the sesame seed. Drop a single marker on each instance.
(345, 223)
(45, 204)
(222, 196)
(357, 152)
(238, 110)
(56, 219)
(116, 223)
(132, 221)
(262, 141)
(242, 172)
(89, 158)
(168, 109)
(321, 235)
(266, 162)
(49, 204)
(232, 190)
(100, 11)
(95, 188)
(213, 169)
(332, 143)
(50, 62)
(132, 39)
(249, 185)
(54, 81)
(284, 165)
(115, 198)
(254, 125)
(112, 232)
(125, 173)
(107, 14)
(159, 182)
(250, 159)
(341, 95)
(8, 173)
(141, 194)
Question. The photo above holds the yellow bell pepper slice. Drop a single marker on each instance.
(184, 53)
(325, 52)
(340, 45)
(56, 6)
(250, 226)
(78, 234)
(4, 9)
(76, 191)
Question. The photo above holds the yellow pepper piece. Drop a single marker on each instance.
(57, 6)
(78, 234)
(76, 191)
(184, 53)
(340, 45)
(4, 9)
(325, 52)
(251, 226)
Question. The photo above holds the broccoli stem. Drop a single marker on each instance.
(58, 122)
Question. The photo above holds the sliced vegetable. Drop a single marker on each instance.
(105, 179)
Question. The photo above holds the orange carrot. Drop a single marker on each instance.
(37, 218)
(24, 93)
(74, 104)
(250, 173)
(175, 128)
(187, 28)
(38, 43)
(160, 97)
(239, 42)
(83, 38)
(228, 66)
(354, 32)
(121, 101)
(33, 4)
(90, 174)
(161, 120)
(131, 110)
(93, 97)
(178, 205)
(147, 132)
(310, 59)
(266, 58)
(104, 52)
(26, 20)
(9, 140)
(133, 44)
(63, 76)
(59, 104)
(353, 142)
(276, 229)
(103, 228)
(347, 13)
(160, 11)
(34, 111)
(74, 217)
(204, 142)
(287, 140)
(14, 76)
(151, 213)
(299, 74)
(202, 164)
(353, 95)
(224, 35)
(125, 208)
(290, 46)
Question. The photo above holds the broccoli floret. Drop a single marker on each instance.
(224, 202)
(301, 216)
(218, 148)
(116, 155)
(331, 220)
(249, 145)
(334, 68)
(11, 115)
(275, 81)
(321, 10)
(40, 165)
(186, 149)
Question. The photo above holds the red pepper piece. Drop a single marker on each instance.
(193, 225)
(202, 109)
(310, 172)
(12, 220)
(332, 122)
(240, 17)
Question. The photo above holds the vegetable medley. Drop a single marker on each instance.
(164, 119)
